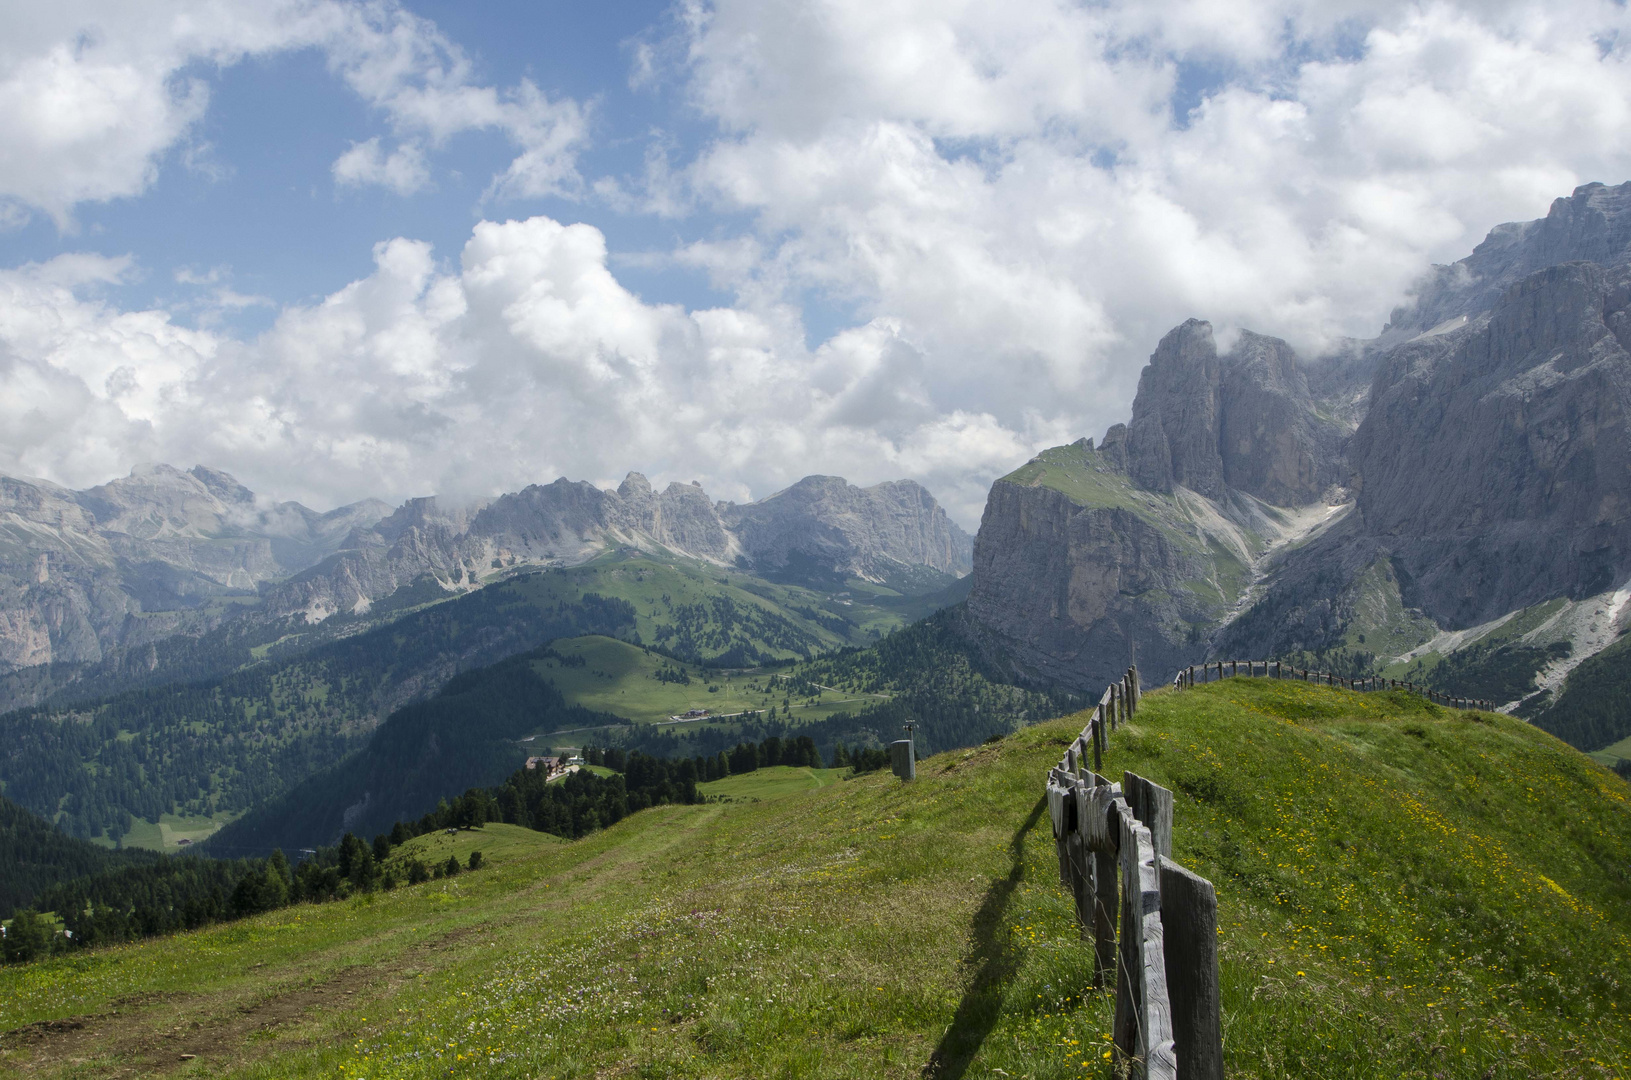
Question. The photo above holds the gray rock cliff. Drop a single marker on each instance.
(868, 532)
(1495, 461)
(1244, 421)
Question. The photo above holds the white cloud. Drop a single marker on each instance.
(527, 361)
(94, 95)
(1017, 199)
(402, 170)
(1013, 185)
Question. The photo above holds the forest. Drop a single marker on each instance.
(226, 745)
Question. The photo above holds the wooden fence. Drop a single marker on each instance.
(1115, 855)
(1273, 669)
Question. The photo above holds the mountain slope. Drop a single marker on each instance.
(486, 722)
(1391, 904)
(35, 855)
(464, 737)
(217, 747)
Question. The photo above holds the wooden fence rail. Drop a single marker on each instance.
(1164, 959)
(1115, 856)
(1273, 669)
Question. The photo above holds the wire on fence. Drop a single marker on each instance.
(1199, 674)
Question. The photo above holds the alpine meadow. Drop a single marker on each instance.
(807, 539)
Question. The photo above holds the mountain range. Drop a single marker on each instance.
(110, 585)
(1458, 485)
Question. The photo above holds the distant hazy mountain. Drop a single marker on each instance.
(84, 573)
(1460, 484)
(115, 583)
(821, 526)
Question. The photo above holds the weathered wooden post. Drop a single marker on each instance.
(1151, 804)
(1189, 918)
(1138, 689)
(1081, 862)
(1097, 806)
(1143, 1025)
(1056, 814)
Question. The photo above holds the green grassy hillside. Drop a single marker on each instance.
(1405, 891)
(644, 687)
(773, 782)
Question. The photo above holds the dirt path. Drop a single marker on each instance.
(160, 1033)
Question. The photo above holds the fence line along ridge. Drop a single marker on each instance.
(1273, 669)
(1115, 856)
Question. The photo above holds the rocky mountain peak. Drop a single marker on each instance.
(1592, 225)
(869, 532)
(1245, 421)
(634, 486)
(1173, 437)
(223, 486)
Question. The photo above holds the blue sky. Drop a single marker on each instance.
(253, 196)
(345, 248)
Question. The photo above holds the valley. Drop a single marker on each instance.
(208, 751)
(612, 676)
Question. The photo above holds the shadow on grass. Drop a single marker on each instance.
(993, 963)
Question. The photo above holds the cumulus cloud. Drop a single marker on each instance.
(1037, 191)
(526, 361)
(94, 95)
(1015, 199)
(402, 170)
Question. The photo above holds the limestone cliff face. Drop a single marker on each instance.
(870, 532)
(1591, 225)
(1495, 462)
(1173, 438)
(1066, 594)
(1245, 421)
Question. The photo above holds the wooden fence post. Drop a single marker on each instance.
(1096, 825)
(1151, 804)
(1143, 1027)
(1189, 917)
(1056, 814)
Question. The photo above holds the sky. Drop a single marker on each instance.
(346, 250)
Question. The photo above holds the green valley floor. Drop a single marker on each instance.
(1405, 891)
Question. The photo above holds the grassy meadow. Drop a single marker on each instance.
(622, 679)
(1405, 891)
